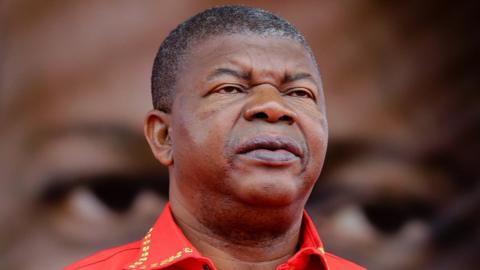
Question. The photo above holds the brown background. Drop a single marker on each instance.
(400, 186)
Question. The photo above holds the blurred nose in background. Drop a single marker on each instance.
(400, 185)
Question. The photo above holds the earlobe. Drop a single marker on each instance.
(157, 132)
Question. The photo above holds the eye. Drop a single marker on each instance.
(115, 191)
(230, 89)
(74, 205)
(301, 93)
(390, 216)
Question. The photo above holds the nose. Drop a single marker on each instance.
(267, 104)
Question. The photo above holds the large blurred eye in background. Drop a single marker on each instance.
(117, 192)
(80, 186)
(374, 200)
(112, 203)
(389, 216)
(99, 176)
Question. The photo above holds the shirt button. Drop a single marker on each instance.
(206, 267)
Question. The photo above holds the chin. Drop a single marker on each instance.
(269, 193)
(257, 186)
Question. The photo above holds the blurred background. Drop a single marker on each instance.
(400, 186)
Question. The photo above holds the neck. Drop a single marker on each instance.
(242, 239)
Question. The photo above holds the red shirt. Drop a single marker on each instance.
(166, 247)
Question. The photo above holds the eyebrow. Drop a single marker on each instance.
(298, 76)
(231, 72)
(247, 76)
(112, 133)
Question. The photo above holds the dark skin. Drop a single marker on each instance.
(244, 143)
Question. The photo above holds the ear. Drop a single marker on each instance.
(157, 132)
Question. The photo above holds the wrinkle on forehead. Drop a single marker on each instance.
(266, 57)
(237, 46)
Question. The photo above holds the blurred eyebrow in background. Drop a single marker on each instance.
(116, 134)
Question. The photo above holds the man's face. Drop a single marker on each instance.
(248, 122)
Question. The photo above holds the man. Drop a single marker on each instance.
(239, 121)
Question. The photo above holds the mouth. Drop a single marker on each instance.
(273, 150)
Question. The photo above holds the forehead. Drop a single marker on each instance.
(253, 52)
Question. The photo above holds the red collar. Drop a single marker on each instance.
(166, 245)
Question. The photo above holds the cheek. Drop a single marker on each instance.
(319, 139)
(316, 134)
(204, 130)
(189, 124)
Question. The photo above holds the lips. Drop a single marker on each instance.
(271, 149)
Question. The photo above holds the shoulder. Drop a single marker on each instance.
(114, 258)
(335, 262)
